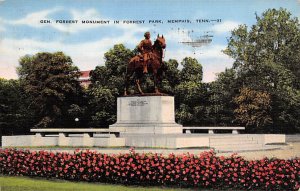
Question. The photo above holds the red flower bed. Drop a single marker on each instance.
(204, 171)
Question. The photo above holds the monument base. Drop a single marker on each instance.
(146, 115)
(166, 141)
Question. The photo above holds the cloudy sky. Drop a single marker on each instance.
(22, 30)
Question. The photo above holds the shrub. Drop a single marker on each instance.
(187, 170)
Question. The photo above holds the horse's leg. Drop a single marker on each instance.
(127, 77)
(155, 78)
(137, 81)
(129, 73)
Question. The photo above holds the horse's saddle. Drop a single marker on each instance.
(146, 56)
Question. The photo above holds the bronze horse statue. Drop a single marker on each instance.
(155, 66)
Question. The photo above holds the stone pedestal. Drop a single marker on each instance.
(146, 114)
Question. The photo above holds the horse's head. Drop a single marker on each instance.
(160, 42)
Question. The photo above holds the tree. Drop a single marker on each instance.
(171, 76)
(220, 105)
(15, 114)
(116, 60)
(107, 85)
(267, 59)
(51, 80)
(253, 109)
(191, 71)
(189, 93)
(102, 105)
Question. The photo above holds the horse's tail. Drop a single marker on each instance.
(127, 77)
(130, 68)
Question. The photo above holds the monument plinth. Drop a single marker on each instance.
(146, 114)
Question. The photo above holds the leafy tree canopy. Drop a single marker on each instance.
(15, 114)
(52, 81)
(267, 58)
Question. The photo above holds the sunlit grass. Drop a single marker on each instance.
(34, 184)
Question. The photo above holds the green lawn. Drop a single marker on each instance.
(30, 184)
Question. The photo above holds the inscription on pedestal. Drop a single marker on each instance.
(138, 103)
(146, 110)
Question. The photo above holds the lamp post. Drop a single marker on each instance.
(76, 121)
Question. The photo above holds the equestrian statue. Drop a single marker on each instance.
(150, 61)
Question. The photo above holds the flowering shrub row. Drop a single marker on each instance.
(204, 171)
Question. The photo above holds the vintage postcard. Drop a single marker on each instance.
(225, 77)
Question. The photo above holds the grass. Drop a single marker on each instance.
(29, 184)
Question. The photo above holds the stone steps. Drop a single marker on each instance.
(235, 139)
(293, 138)
(223, 150)
(236, 143)
(226, 142)
(241, 149)
(244, 146)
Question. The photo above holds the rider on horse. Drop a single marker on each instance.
(145, 48)
(139, 68)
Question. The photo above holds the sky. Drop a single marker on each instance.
(25, 28)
